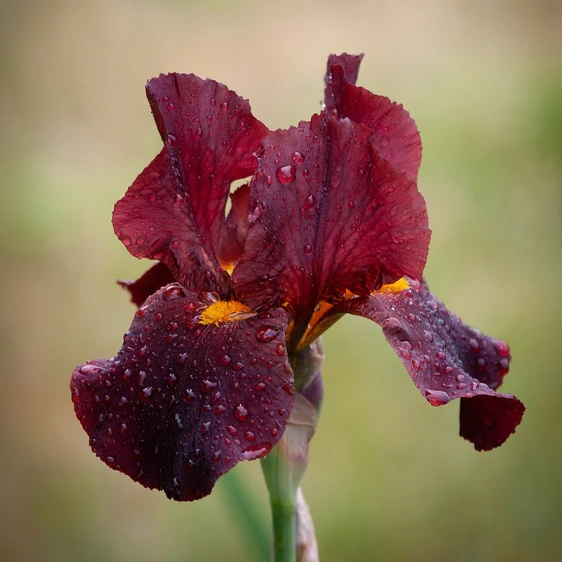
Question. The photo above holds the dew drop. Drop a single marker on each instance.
(502, 348)
(172, 293)
(249, 435)
(207, 385)
(307, 249)
(286, 174)
(90, 370)
(298, 158)
(309, 202)
(141, 311)
(241, 413)
(256, 451)
(265, 334)
(437, 397)
(385, 140)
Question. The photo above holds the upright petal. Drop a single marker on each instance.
(395, 132)
(183, 402)
(328, 214)
(175, 209)
(447, 360)
(154, 221)
(350, 65)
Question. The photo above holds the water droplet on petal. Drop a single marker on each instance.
(241, 413)
(298, 158)
(207, 385)
(172, 293)
(437, 397)
(502, 348)
(474, 345)
(385, 140)
(256, 451)
(307, 249)
(309, 202)
(428, 336)
(266, 334)
(286, 174)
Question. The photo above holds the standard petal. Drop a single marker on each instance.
(350, 65)
(182, 402)
(154, 221)
(395, 132)
(152, 280)
(328, 213)
(212, 136)
(447, 360)
(174, 211)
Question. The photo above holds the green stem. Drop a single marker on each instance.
(284, 531)
(283, 501)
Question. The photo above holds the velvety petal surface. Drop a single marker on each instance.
(328, 213)
(174, 211)
(182, 402)
(447, 360)
(152, 280)
(395, 132)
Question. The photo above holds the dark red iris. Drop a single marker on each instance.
(330, 223)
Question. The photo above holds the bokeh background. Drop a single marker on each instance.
(389, 477)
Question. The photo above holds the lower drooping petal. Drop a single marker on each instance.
(182, 403)
(152, 280)
(447, 360)
(395, 132)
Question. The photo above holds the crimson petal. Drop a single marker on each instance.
(350, 65)
(174, 211)
(233, 235)
(152, 280)
(328, 214)
(447, 360)
(395, 132)
(182, 403)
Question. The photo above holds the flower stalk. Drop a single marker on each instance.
(286, 464)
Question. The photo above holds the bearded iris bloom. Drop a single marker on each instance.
(331, 222)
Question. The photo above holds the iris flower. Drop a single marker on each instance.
(330, 222)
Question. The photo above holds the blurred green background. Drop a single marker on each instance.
(389, 477)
